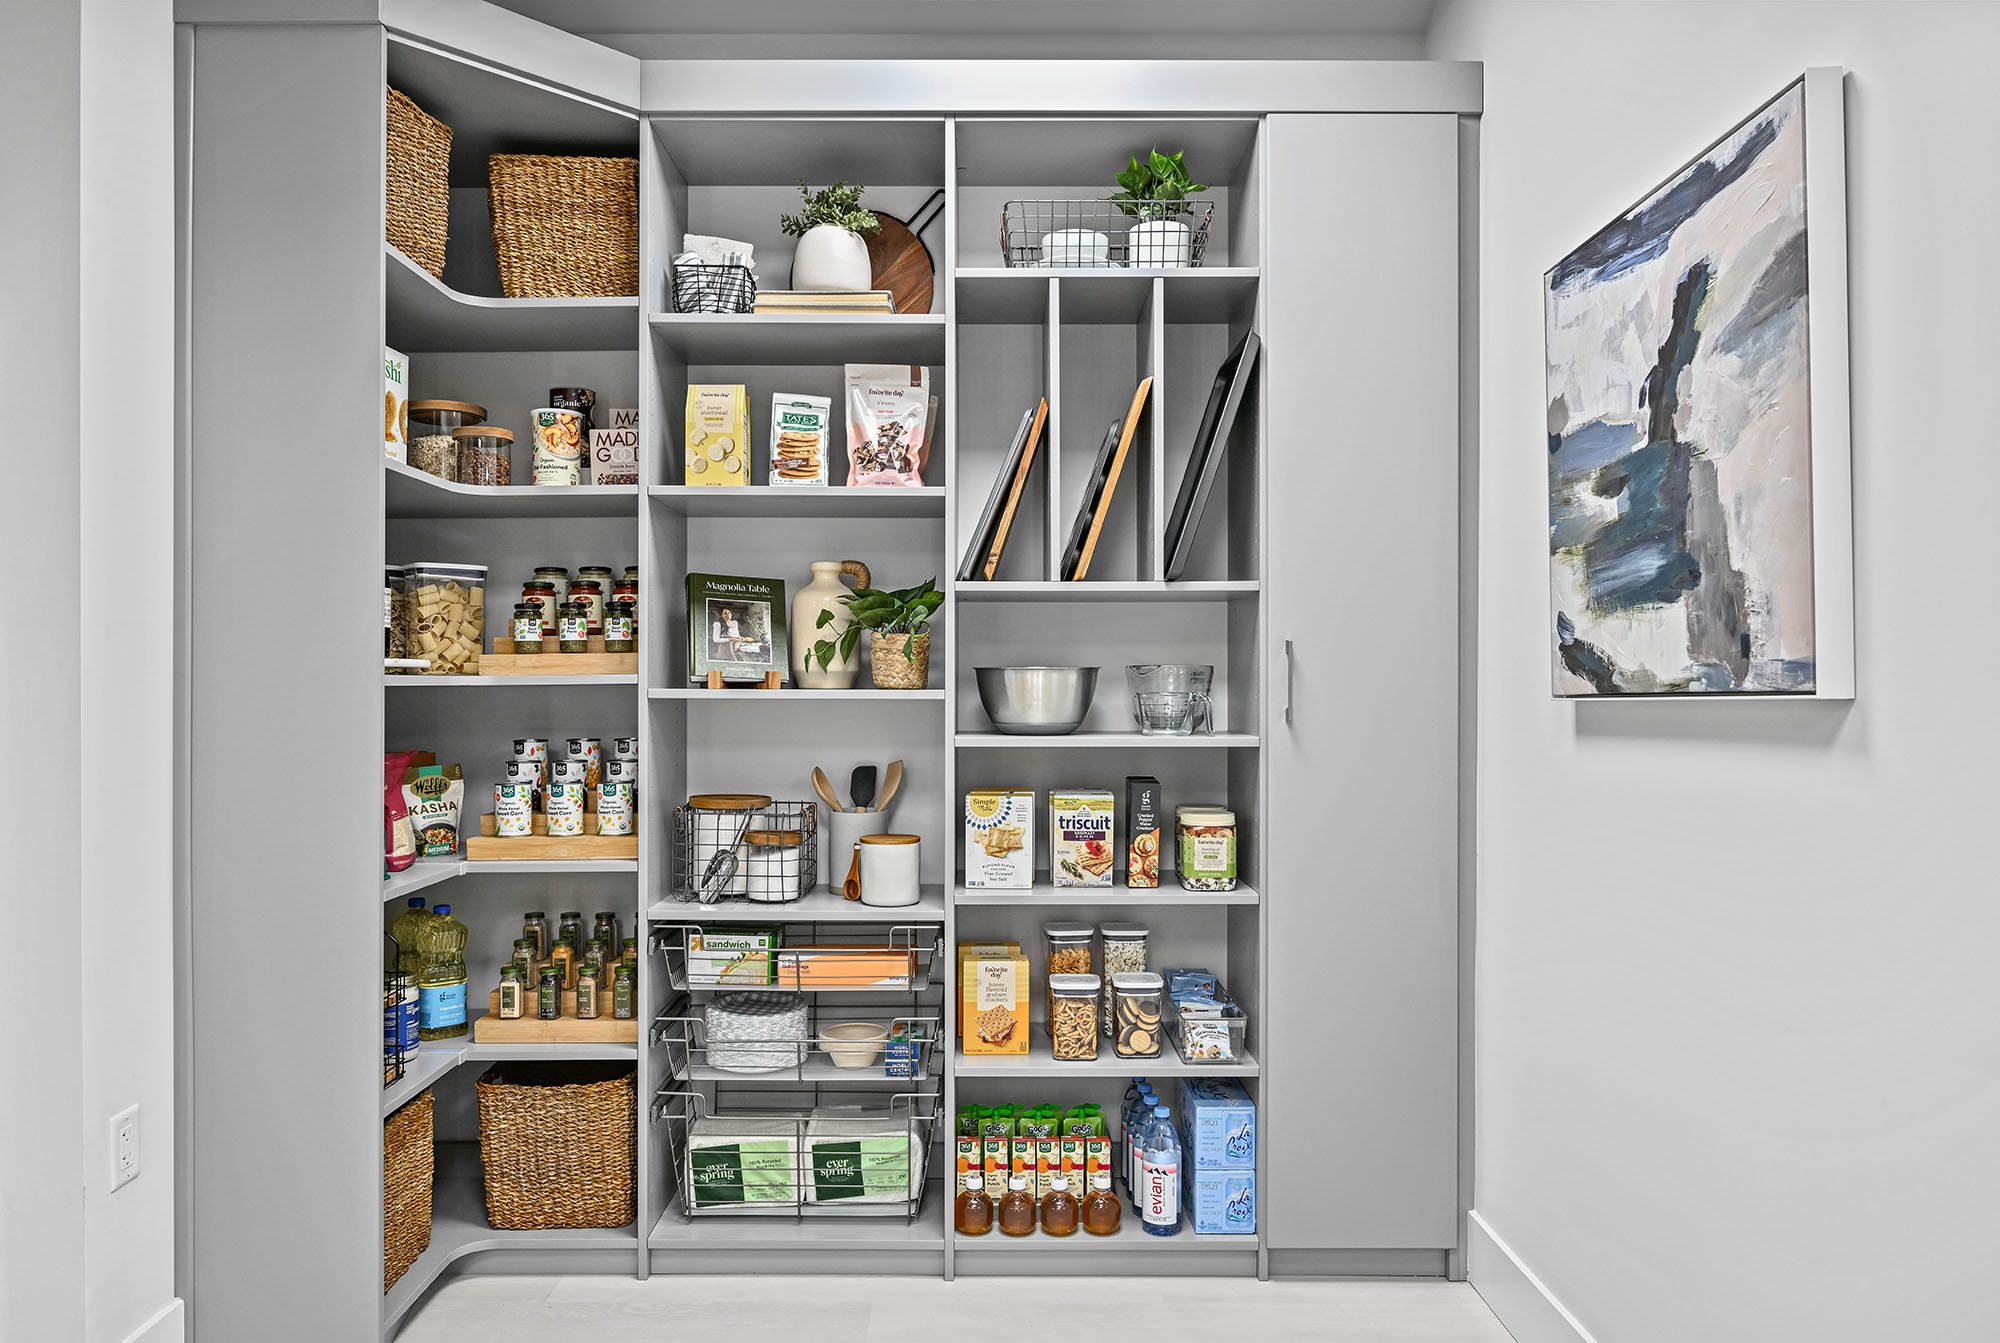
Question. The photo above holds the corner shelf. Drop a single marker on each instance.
(844, 338)
(778, 501)
(410, 493)
(426, 315)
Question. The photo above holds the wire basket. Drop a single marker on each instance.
(781, 1157)
(702, 1047)
(397, 1050)
(777, 853)
(844, 958)
(702, 287)
(1101, 235)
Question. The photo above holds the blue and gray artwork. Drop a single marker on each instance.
(1679, 432)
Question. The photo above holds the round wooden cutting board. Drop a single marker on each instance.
(899, 260)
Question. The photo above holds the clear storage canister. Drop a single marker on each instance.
(1124, 953)
(773, 860)
(1137, 1003)
(1073, 1010)
(715, 821)
(485, 455)
(433, 426)
(1067, 947)
(450, 606)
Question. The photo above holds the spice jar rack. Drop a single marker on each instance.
(504, 661)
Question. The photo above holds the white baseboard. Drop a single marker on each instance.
(1511, 1291)
(169, 1325)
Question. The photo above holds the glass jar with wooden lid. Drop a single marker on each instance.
(716, 823)
(485, 455)
(774, 863)
(433, 424)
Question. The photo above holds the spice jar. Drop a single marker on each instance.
(604, 928)
(526, 627)
(569, 928)
(586, 990)
(1073, 1016)
(774, 860)
(625, 991)
(591, 593)
(535, 924)
(510, 992)
(621, 628)
(1124, 953)
(433, 426)
(548, 993)
(485, 455)
(1136, 1003)
(1207, 843)
(524, 958)
(573, 627)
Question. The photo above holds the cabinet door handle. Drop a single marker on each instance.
(1288, 683)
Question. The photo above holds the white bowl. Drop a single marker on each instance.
(1075, 247)
(854, 1044)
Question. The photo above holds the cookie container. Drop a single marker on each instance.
(1124, 952)
(1137, 1003)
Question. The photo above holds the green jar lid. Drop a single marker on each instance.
(524, 941)
(535, 914)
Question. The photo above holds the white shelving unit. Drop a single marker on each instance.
(290, 116)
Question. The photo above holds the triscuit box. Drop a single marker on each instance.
(1082, 837)
(718, 434)
(1000, 839)
(993, 1005)
(733, 955)
(395, 405)
(846, 966)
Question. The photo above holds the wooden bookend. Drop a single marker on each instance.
(771, 681)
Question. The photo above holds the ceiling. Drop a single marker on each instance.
(995, 29)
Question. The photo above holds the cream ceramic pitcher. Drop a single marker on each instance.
(825, 593)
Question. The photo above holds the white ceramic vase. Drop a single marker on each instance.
(825, 593)
(830, 260)
(1159, 243)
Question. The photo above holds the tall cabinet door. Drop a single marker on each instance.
(1361, 394)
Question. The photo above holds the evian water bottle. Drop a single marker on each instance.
(1160, 1175)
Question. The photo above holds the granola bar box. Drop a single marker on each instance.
(1000, 839)
(1083, 846)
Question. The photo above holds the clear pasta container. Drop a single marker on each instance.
(1073, 1001)
(450, 604)
(1123, 952)
(1067, 947)
(1137, 1011)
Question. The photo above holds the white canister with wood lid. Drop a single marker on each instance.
(889, 870)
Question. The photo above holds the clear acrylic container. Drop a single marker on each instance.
(1073, 1005)
(1123, 952)
(433, 446)
(485, 455)
(1138, 1015)
(450, 609)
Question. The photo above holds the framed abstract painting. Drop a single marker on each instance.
(1700, 521)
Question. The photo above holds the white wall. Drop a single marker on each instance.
(90, 506)
(1735, 1008)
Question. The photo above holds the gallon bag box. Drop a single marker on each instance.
(1220, 1123)
(1221, 1203)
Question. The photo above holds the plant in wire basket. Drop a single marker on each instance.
(1155, 191)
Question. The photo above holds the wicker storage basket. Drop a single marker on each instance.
(419, 175)
(565, 227)
(408, 1162)
(558, 1142)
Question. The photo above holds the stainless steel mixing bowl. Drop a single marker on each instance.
(1036, 701)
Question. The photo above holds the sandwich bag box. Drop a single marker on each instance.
(726, 954)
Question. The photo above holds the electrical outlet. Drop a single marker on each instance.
(124, 1148)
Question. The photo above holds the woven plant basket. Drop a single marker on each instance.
(559, 1144)
(565, 227)
(419, 175)
(892, 670)
(408, 1162)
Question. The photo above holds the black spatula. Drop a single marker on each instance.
(862, 786)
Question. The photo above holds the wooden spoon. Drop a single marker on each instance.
(891, 781)
(824, 787)
(851, 888)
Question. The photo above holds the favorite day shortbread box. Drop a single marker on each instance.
(1000, 839)
(718, 434)
(1083, 847)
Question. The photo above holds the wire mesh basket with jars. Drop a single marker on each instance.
(1091, 234)
(744, 847)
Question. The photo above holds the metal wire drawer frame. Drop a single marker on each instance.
(901, 959)
(787, 1185)
(683, 1030)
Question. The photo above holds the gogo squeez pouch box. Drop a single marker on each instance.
(1082, 838)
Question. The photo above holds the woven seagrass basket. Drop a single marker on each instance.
(419, 176)
(565, 227)
(559, 1144)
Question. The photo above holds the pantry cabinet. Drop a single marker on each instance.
(1363, 648)
(1322, 585)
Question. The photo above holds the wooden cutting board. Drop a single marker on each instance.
(899, 260)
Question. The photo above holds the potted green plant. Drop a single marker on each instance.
(832, 257)
(1155, 192)
(898, 664)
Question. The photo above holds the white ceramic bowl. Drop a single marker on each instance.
(854, 1044)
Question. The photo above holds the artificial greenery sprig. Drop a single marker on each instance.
(905, 611)
(1157, 188)
(838, 205)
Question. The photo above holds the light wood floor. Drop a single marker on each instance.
(910, 1310)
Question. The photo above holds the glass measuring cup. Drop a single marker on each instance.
(1170, 699)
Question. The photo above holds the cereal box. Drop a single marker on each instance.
(1082, 837)
(1142, 831)
(395, 404)
(1000, 839)
(718, 434)
(993, 1005)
